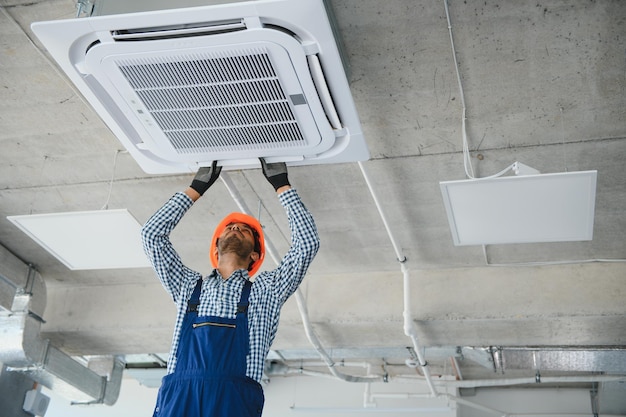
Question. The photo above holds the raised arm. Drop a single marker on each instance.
(155, 236)
(155, 233)
(304, 238)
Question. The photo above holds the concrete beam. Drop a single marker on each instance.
(492, 306)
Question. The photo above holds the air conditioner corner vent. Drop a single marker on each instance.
(175, 31)
(91, 45)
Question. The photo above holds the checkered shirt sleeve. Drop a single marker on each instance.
(271, 289)
(177, 279)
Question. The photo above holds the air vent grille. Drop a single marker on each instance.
(211, 102)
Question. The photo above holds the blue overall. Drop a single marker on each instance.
(210, 375)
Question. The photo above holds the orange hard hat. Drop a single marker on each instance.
(259, 239)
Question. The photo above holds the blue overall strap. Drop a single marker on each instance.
(242, 307)
(194, 301)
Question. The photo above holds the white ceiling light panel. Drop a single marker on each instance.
(522, 209)
(103, 239)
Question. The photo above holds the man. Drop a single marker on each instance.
(225, 324)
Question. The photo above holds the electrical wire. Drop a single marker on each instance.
(106, 203)
(467, 163)
(467, 160)
(563, 140)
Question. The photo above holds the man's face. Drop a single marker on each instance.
(237, 238)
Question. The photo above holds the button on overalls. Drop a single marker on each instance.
(210, 375)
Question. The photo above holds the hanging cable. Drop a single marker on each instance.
(467, 163)
(106, 203)
(563, 140)
(467, 159)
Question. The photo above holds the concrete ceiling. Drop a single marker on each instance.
(544, 83)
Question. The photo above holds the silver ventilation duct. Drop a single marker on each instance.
(22, 303)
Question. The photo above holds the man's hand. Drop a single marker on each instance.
(276, 173)
(205, 177)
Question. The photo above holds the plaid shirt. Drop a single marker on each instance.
(219, 297)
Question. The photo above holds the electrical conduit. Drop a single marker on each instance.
(409, 326)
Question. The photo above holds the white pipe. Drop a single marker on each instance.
(503, 382)
(366, 395)
(561, 415)
(396, 248)
(338, 410)
(478, 383)
(317, 374)
(341, 364)
(401, 395)
(411, 331)
(310, 332)
(308, 372)
(308, 328)
(532, 381)
(409, 326)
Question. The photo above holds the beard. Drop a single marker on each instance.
(237, 245)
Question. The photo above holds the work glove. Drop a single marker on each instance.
(205, 178)
(276, 173)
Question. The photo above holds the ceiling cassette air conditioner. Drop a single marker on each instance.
(231, 82)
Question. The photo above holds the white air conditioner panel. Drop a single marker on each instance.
(184, 87)
(187, 109)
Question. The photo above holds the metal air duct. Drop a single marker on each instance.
(22, 302)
